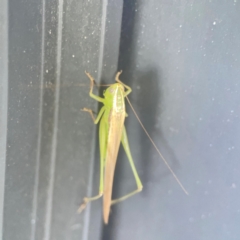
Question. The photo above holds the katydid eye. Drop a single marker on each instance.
(111, 90)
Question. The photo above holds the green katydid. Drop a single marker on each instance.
(111, 132)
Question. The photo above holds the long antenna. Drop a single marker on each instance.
(164, 160)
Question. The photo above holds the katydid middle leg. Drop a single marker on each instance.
(137, 179)
(90, 111)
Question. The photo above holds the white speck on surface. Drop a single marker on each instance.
(213, 99)
(214, 23)
(173, 130)
(232, 111)
(233, 185)
(200, 119)
(47, 71)
(75, 226)
(167, 39)
(191, 219)
(180, 26)
(73, 56)
(85, 37)
(204, 54)
(210, 145)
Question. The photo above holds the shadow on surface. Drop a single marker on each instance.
(146, 102)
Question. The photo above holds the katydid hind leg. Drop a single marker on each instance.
(102, 143)
(103, 133)
(137, 179)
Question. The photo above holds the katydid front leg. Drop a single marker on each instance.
(129, 90)
(99, 99)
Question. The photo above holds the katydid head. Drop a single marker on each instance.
(114, 96)
(112, 90)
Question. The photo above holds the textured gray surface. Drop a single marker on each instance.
(3, 100)
(181, 60)
(51, 142)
